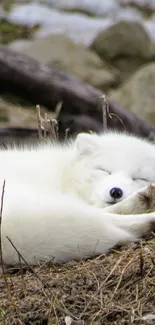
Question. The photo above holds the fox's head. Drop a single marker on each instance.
(114, 165)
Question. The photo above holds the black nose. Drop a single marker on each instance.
(116, 193)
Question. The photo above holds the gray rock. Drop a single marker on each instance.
(138, 94)
(71, 58)
(126, 45)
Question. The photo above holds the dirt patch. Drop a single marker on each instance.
(118, 288)
(16, 114)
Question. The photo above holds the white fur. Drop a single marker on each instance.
(55, 197)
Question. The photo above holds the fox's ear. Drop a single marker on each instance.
(86, 143)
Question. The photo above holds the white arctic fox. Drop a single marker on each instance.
(58, 200)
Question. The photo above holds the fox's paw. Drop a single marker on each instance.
(147, 198)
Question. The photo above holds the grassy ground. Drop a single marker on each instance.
(115, 289)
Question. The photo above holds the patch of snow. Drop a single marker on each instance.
(97, 7)
(79, 27)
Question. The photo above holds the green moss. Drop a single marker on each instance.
(7, 4)
(79, 11)
(10, 31)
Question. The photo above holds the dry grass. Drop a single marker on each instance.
(118, 288)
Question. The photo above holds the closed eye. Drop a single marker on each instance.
(140, 179)
(104, 170)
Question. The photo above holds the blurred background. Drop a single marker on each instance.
(53, 50)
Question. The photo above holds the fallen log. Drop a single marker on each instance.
(17, 135)
(47, 85)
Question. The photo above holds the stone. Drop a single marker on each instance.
(126, 45)
(138, 93)
(72, 58)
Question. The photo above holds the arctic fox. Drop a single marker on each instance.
(76, 200)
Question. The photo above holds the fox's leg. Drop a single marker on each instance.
(45, 226)
(137, 224)
(140, 202)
